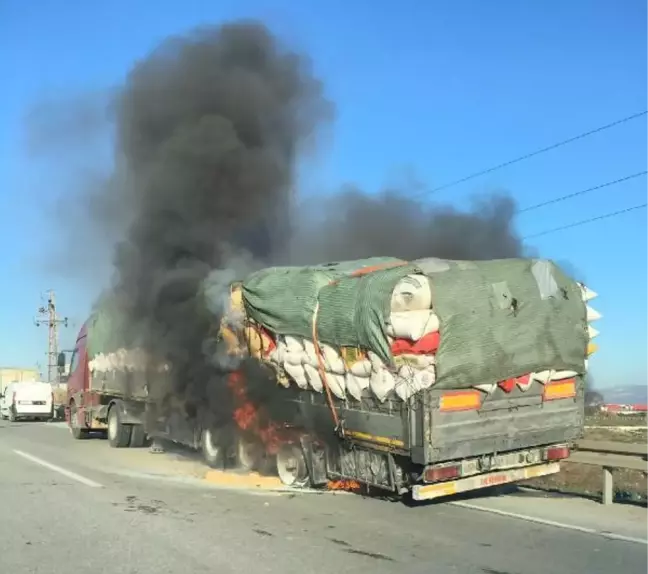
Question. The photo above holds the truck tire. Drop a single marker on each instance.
(78, 432)
(291, 466)
(212, 447)
(137, 437)
(251, 455)
(119, 434)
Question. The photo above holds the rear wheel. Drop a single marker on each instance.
(213, 449)
(250, 454)
(119, 434)
(77, 430)
(291, 466)
(137, 437)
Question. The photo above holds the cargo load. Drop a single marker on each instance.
(390, 327)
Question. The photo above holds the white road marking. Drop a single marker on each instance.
(584, 529)
(631, 428)
(63, 471)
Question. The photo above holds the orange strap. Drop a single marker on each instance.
(366, 270)
(322, 372)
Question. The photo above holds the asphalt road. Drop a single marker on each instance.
(70, 505)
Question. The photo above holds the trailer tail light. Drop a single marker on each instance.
(557, 452)
(460, 401)
(564, 389)
(441, 473)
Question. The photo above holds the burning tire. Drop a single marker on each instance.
(213, 451)
(250, 454)
(291, 466)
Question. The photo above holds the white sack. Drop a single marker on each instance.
(382, 382)
(412, 325)
(297, 373)
(412, 293)
(332, 360)
(355, 385)
(314, 379)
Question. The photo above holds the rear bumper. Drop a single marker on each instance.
(432, 491)
(34, 413)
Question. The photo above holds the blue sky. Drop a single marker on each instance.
(440, 89)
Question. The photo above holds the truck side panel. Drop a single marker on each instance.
(384, 425)
(120, 383)
(504, 422)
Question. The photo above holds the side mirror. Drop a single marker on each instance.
(60, 361)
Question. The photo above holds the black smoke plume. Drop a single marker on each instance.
(396, 223)
(209, 130)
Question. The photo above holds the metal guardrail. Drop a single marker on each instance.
(610, 455)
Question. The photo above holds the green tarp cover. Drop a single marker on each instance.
(505, 318)
(353, 311)
(499, 319)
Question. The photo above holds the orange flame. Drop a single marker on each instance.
(249, 418)
(344, 484)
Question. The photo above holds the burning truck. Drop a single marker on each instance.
(430, 377)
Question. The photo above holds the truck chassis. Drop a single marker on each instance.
(376, 445)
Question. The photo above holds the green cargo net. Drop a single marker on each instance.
(353, 309)
(498, 319)
(505, 318)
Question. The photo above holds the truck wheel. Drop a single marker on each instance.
(213, 451)
(137, 437)
(291, 466)
(78, 432)
(119, 434)
(249, 454)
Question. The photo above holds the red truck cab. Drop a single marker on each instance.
(78, 395)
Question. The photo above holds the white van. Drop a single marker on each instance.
(27, 400)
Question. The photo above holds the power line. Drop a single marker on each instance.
(535, 153)
(582, 192)
(591, 220)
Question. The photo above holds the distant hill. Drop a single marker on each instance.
(629, 395)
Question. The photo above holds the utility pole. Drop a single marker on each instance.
(47, 316)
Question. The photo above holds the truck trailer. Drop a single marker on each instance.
(429, 377)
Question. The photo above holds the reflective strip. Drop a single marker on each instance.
(431, 491)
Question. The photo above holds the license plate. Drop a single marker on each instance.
(25, 402)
